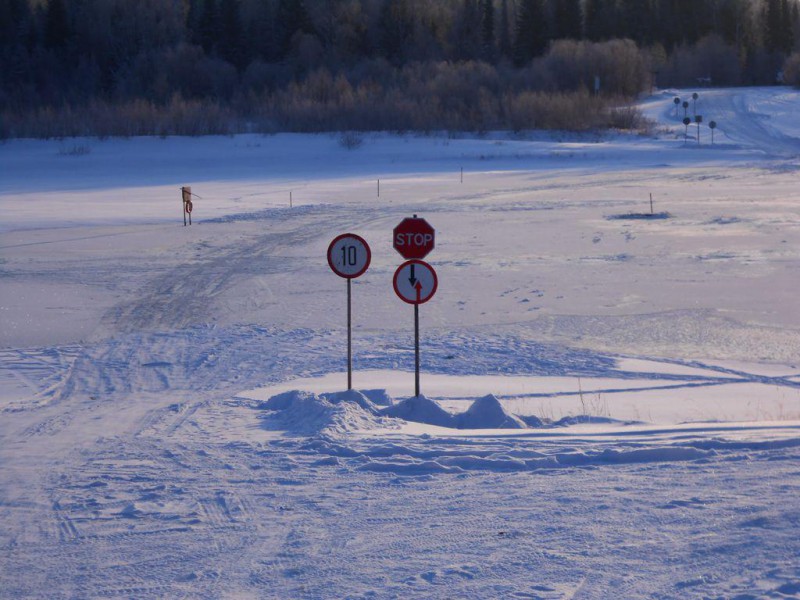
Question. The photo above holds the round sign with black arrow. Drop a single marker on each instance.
(415, 282)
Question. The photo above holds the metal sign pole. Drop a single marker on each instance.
(349, 257)
(349, 340)
(416, 349)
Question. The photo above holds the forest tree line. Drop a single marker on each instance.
(116, 67)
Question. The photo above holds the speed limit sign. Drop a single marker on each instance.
(349, 255)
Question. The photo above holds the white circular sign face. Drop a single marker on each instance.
(415, 282)
(349, 255)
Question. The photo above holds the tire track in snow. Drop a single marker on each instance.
(184, 296)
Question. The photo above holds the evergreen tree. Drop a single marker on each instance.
(730, 17)
(599, 16)
(291, 16)
(506, 48)
(530, 38)
(14, 18)
(568, 20)
(230, 45)
(207, 26)
(15, 27)
(193, 11)
(56, 25)
(487, 31)
(778, 36)
(467, 31)
(396, 27)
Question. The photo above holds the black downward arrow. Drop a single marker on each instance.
(412, 280)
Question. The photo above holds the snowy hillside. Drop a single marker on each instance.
(610, 397)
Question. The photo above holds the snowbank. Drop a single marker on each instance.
(421, 410)
(488, 413)
(306, 413)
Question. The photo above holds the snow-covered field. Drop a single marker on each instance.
(611, 400)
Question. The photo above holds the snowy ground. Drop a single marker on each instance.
(141, 455)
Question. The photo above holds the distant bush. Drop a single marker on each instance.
(135, 118)
(350, 140)
(551, 93)
(710, 59)
(620, 67)
(791, 70)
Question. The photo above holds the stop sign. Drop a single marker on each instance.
(413, 238)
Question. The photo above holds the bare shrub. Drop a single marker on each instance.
(628, 118)
(791, 70)
(552, 93)
(75, 150)
(710, 58)
(350, 140)
(577, 111)
(622, 68)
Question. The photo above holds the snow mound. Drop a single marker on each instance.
(590, 420)
(532, 421)
(421, 410)
(352, 396)
(307, 413)
(484, 413)
(488, 413)
(379, 397)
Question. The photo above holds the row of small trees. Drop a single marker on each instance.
(554, 92)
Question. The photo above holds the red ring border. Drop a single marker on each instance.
(416, 261)
(360, 239)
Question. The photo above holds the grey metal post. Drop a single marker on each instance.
(349, 340)
(416, 349)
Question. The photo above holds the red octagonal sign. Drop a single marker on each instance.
(413, 238)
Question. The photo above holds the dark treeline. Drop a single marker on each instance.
(196, 66)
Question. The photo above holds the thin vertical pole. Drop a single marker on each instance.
(349, 340)
(416, 349)
(379, 188)
(651, 204)
(290, 199)
(462, 174)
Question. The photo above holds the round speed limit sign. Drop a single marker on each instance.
(349, 255)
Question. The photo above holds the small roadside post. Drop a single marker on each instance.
(186, 194)
(415, 281)
(349, 256)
